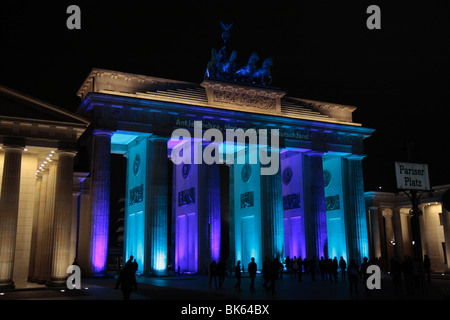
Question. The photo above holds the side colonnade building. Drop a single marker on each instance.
(390, 231)
(38, 191)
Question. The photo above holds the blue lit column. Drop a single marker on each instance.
(156, 213)
(100, 185)
(272, 215)
(9, 204)
(315, 207)
(62, 227)
(357, 237)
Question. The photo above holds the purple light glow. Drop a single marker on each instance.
(215, 238)
(101, 164)
(294, 237)
(99, 245)
(186, 253)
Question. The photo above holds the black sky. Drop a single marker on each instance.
(397, 76)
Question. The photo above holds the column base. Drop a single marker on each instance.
(7, 285)
(99, 275)
(155, 273)
(56, 283)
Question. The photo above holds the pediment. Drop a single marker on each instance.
(16, 105)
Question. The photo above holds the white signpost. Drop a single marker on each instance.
(412, 176)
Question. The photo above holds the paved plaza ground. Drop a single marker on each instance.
(196, 288)
(174, 293)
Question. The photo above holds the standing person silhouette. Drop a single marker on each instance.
(343, 266)
(300, 268)
(213, 273)
(237, 271)
(221, 268)
(363, 270)
(312, 267)
(252, 267)
(353, 275)
(134, 267)
(295, 267)
(125, 281)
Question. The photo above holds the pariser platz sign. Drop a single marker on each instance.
(412, 176)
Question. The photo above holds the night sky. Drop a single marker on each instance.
(397, 76)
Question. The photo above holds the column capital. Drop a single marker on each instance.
(355, 156)
(158, 138)
(53, 161)
(314, 153)
(13, 148)
(387, 213)
(101, 132)
(62, 152)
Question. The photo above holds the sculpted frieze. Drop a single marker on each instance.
(244, 100)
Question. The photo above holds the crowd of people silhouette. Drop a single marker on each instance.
(405, 275)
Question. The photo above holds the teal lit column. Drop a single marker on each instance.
(357, 237)
(9, 204)
(100, 193)
(156, 215)
(272, 215)
(62, 223)
(315, 207)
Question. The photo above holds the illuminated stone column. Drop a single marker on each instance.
(315, 207)
(356, 223)
(9, 204)
(272, 215)
(375, 232)
(36, 270)
(397, 224)
(62, 219)
(47, 225)
(100, 186)
(389, 230)
(37, 196)
(446, 226)
(156, 215)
